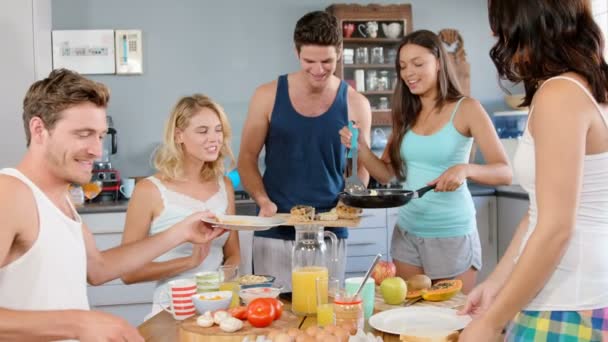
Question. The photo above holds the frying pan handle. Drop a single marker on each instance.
(420, 192)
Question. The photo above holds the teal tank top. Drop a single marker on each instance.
(436, 214)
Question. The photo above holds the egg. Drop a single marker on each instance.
(312, 330)
(305, 338)
(272, 333)
(350, 328)
(341, 334)
(282, 337)
(322, 336)
(330, 338)
(330, 329)
(293, 332)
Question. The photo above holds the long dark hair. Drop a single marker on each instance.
(407, 106)
(539, 39)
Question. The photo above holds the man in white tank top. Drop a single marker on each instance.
(47, 254)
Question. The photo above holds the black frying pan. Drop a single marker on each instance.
(384, 198)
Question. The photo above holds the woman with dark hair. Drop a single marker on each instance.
(434, 126)
(552, 282)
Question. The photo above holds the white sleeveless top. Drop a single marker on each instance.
(52, 274)
(176, 207)
(580, 281)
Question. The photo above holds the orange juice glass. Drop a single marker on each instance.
(229, 281)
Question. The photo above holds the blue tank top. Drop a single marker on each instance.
(305, 160)
(436, 214)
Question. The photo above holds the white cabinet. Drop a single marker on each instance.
(365, 241)
(391, 221)
(485, 207)
(510, 213)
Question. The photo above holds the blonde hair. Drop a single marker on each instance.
(169, 158)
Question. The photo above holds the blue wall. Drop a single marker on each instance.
(226, 49)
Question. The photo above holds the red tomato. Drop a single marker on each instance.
(260, 313)
(278, 307)
(239, 312)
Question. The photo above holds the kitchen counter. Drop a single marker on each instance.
(512, 191)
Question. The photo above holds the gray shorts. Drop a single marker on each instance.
(440, 258)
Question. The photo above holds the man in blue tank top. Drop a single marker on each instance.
(296, 118)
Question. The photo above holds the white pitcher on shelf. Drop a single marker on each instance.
(369, 29)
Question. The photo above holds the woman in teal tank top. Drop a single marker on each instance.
(434, 126)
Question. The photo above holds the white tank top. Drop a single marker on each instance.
(580, 281)
(52, 274)
(176, 207)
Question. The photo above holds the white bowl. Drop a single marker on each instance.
(212, 301)
(259, 292)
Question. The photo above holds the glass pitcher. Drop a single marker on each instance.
(309, 261)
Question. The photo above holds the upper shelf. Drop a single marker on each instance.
(370, 66)
(371, 40)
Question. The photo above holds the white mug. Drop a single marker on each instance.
(127, 186)
(179, 292)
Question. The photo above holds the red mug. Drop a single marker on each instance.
(348, 29)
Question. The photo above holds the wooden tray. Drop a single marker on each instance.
(189, 331)
(351, 223)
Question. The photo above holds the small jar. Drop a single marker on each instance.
(383, 81)
(348, 310)
(377, 55)
(371, 81)
(383, 103)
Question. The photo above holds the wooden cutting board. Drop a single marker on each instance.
(189, 331)
(351, 223)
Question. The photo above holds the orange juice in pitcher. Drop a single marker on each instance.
(308, 263)
(303, 282)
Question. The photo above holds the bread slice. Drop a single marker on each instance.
(331, 215)
(304, 213)
(346, 212)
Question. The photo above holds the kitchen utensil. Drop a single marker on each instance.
(412, 301)
(353, 185)
(419, 321)
(368, 273)
(383, 198)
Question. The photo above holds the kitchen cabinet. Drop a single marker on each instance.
(370, 37)
(510, 213)
(131, 302)
(485, 207)
(365, 241)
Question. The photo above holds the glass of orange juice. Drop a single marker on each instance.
(229, 281)
(326, 291)
(92, 189)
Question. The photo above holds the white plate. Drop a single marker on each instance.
(245, 222)
(424, 321)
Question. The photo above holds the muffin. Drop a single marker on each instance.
(303, 213)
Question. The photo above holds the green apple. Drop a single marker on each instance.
(394, 290)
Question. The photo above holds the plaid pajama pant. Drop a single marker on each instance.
(559, 326)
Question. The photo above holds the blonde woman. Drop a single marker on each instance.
(190, 178)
